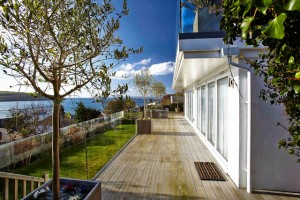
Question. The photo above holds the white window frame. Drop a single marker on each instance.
(215, 120)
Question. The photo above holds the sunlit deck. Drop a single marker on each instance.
(161, 166)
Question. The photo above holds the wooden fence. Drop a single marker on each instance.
(17, 180)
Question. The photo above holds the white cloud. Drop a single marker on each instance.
(127, 70)
(162, 68)
(127, 67)
(144, 62)
(121, 74)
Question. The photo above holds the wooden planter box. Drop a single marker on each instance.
(94, 194)
(144, 126)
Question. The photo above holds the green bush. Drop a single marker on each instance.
(83, 113)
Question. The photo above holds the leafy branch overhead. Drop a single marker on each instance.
(42, 43)
(275, 24)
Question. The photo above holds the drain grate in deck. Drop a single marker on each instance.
(209, 171)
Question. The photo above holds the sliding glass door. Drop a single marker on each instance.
(222, 136)
(198, 108)
(203, 110)
(211, 129)
(190, 104)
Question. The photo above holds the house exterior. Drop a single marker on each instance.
(222, 104)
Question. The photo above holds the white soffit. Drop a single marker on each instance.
(193, 70)
(199, 58)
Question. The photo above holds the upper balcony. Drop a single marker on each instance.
(201, 50)
(198, 22)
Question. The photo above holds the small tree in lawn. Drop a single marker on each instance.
(158, 89)
(143, 82)
(59, 47)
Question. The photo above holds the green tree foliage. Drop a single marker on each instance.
(143, 82)
(158, 89)
(275, 24)
(119, 104)
(83, 113)
(59, 47)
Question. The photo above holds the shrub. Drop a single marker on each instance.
(119, 104)
(83, 113)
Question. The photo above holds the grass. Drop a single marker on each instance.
(100, 149)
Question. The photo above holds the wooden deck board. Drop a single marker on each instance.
(161, 166)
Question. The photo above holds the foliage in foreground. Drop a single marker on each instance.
(60, 47)
(275, 24)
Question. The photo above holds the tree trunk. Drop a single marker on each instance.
(55, 149)
(145, 108)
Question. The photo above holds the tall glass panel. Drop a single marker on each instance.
(211, 132)
(190, 104)
(198, 107)
(192, 114)
(203, 110)
(222, 117)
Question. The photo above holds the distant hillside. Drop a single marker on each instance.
(14, 96)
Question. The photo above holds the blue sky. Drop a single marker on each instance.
(154, 25)
(151, 24)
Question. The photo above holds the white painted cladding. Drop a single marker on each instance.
(268, 167)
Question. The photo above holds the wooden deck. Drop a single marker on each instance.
(161, 166)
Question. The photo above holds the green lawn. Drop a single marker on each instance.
(100, 149)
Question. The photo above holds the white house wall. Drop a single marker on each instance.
(232, 166)
(272, 169)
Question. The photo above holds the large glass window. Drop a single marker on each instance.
(190, 104)
(211, 130)
(198, 107)
(222, 117)
(203, 110)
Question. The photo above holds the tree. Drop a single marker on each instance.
(275, 24)
(119, 104)
(143, 82)
(83, 113)
(158, 89)
(59, 47)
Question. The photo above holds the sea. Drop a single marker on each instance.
(69, 104)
